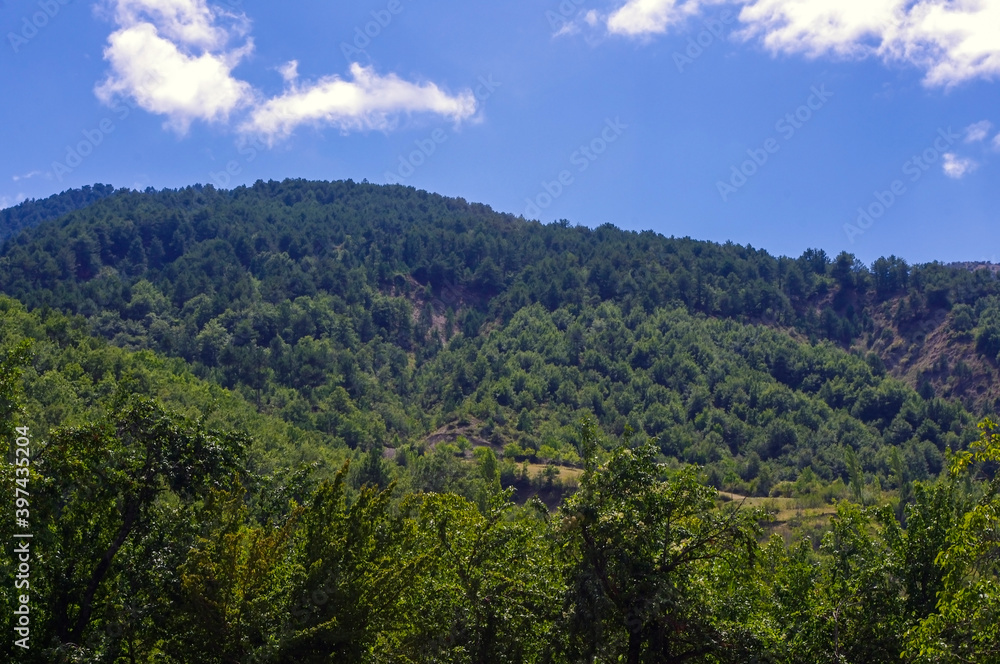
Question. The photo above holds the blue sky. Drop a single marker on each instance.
(868, 125)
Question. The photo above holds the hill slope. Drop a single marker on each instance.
(375, 316)
(32, 213)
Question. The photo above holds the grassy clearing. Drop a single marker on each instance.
(792, 516)
(536, 470)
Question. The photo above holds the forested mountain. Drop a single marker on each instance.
(31, 213)
(377, 315)
(931, 324)
(202, 363)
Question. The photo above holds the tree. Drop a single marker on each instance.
(232, 590)
(105, 490)
(11, 368)
(651, 561)
(353, 567)
(843, 270)
(855, 474)
(488, 278)
(891, 275)
(12, 363)
(966, 625)
(858, 609)
(492, 587)
(373, 470)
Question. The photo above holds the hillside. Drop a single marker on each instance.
(309, 422)
(377, 315)
(403, 241)
(72, 379)
(31, 213)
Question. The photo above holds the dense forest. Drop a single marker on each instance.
(31, 213)
(307, 421)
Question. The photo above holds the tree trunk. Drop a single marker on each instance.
(634, 646)
(87, 602)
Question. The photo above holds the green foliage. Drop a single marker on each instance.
(869, 583)
(430, 349)
(492, 589)
(373, 470)
(71, 377)
(353, 566)
(11, 369)
(102, 486)
(232, 587)
(104, 500)
(652, 564)
(31, 213)
(966, 625)
(373, 314)
(715, 393)
(988, 331)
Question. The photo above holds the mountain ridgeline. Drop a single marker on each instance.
(31, 213)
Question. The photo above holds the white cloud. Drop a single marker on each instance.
(978, 132)
(645, 17)
(954, 40)
(588, 22)
(27, 176)
(290, 71)
(189, 22)
(819, 27)
(172, 58)
(951, 40)
(8, 201)
(175, 58)
(367, 101)
(996, 142)
(164, 80)
(958, 167)
(568, 28)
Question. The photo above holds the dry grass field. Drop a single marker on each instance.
(790, 514)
